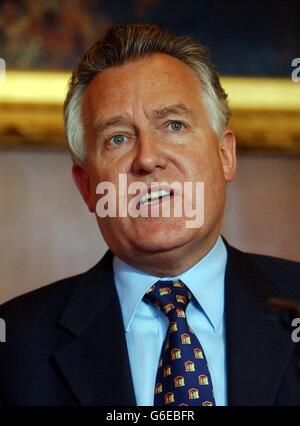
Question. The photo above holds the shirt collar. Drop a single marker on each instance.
(205, 279)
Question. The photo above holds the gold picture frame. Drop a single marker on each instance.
(265, 111)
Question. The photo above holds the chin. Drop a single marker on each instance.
(165, 238)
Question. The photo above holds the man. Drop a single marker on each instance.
(147, 105)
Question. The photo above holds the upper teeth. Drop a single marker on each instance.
(153, 195)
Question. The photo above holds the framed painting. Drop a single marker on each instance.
(255, 48)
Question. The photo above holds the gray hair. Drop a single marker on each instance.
(125, 43)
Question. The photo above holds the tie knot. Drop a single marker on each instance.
(170, 297)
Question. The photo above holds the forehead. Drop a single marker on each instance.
(142, 84)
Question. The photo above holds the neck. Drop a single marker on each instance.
(175, 262)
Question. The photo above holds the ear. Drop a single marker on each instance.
(227, 148)
(82, 181)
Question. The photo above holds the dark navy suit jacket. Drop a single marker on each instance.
(66, 343)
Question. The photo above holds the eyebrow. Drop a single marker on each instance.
(163, 111)
(159, 113)
(113, 121)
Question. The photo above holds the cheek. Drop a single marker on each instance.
(215, 179)
(202, 167)
(215, 194)
(98, 170)
(111, 185)
(207, 168)
(95, 178)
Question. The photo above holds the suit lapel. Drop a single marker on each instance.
(258, 346)
(95, 362)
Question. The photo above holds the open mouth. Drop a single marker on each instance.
(152, 196)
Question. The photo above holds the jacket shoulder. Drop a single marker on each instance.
(47, 302)
(277, 267)
(285, 274)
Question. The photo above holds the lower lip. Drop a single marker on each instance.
(155, 205)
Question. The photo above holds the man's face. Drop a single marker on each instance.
(146, 119)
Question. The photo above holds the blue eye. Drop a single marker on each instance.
(176, 126)
(117, 139)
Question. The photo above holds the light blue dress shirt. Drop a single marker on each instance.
(146, 326)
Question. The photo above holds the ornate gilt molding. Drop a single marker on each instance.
(266, 112)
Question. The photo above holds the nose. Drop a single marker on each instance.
(149, 155)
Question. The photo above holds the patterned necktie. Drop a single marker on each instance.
(182, 377)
